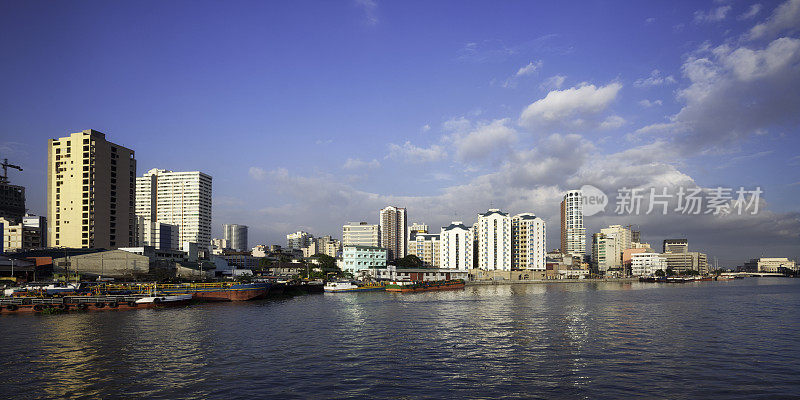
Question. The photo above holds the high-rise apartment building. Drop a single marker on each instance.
(416, 228)
(236, 236)
(573, 232)
(494, 240)
(426, 246)
(394, 231)
(528, 240)
(298, 240)
(182, 199)
(90, 192)
(676, 245)
(604, 252)
(622, 241)
(360, 234)
(37, 221)
(456, 246)
(12, 202)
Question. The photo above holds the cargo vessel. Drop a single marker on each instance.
(349, 286)
(219, 291)
(13, 305)
(422, 286)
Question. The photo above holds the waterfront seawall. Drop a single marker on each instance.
(538, 281)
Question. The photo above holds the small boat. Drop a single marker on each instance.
(166, 300)
(424, 286)
(350, 286)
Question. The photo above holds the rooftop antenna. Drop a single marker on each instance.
(6, 166)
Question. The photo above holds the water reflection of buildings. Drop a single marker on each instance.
(84, 355)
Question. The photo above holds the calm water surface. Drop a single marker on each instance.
(735, 339)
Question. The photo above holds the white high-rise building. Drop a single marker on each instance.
(573, 232)
(177, 198)
(360, 234)
(298, 240)
(529, 248)
(622, 240)
(456, 246)
(646, 264)
(236, 236)
(394, 231)
(494, 240)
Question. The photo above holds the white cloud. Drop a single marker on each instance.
(370, 8)
(413, 153)
(751, 12)
(529, 69)
(650, 20)
(713, 15)
(785, 18)
(655, 79)
(456, 124)
(483, 142)
(425, 128)
(257, 173)
(576, 107)
(647, 103)
(612, 122)
(553, 82)
(735, 92)
(355, 163)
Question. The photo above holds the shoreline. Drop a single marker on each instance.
(540, 281)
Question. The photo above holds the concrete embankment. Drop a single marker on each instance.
(537, 281)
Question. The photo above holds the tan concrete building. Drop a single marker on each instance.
(19, 237)
(394, 231)
(529, 247)
(90, 192)
(681, 262)
(360, 234)
(426, 247)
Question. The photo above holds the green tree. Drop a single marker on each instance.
(409, 261)
(670, 272)
(660, 272)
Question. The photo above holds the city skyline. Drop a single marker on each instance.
(306, 130)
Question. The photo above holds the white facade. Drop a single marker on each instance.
(356, 258)
(622, 240)
(529, 250)
(159, 235)
(392, 273)
(298, 240)
(494, 240)
(360, 234)
(767, 264)
(236, 236)
(394, 231)
(573, 232)
(177, 198)
(646, 264)
(456, 247)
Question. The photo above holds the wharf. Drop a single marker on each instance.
(540, 281)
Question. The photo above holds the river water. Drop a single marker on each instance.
(733, 339)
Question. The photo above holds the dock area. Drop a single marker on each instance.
(540, 281)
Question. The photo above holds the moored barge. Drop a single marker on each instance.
(424, 286)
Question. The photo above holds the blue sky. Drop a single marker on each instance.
(310, 114)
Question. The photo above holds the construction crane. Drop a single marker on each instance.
(6, 166)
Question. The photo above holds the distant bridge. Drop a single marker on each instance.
(756, 274)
